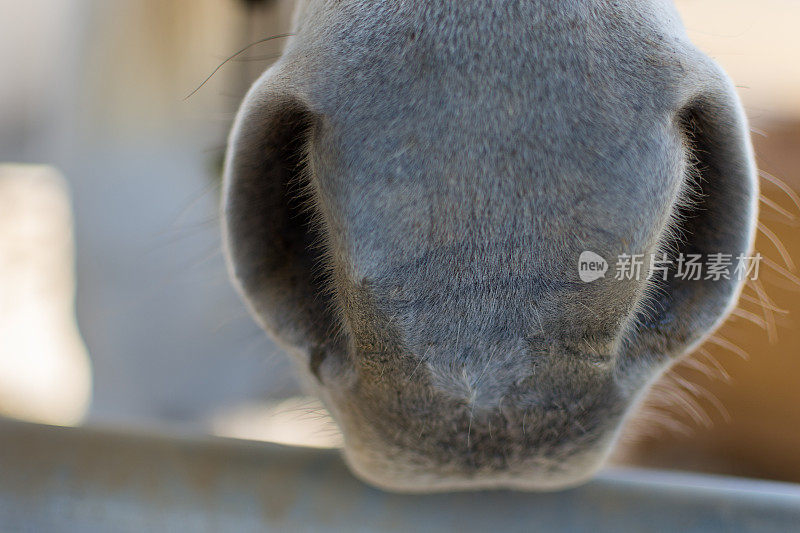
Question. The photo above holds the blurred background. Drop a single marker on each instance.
(115, 307)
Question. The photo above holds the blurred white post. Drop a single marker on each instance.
(45, 374)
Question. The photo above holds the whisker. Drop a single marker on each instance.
(775, 240)
(780, 270)
(782, 186)
(702, 392)
(774, 205)
(234, 56)
(698, 366)
(664, 417)
(421, 360)
(469, 428)
(728, 345)
(768, 309)
(256, 58)
(750, 317)
(689, 403)
(726, 377)
(771, 307)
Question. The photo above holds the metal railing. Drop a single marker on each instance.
(86, 480)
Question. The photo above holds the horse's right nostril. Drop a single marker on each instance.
(273, 240)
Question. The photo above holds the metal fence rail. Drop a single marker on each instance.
(83, 480)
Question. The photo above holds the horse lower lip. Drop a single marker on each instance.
(555, 477)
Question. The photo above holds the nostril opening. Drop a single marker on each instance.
(713, 221)
(274, 234)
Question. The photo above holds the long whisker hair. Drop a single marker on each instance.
(677, 404)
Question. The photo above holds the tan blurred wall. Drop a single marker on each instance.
(758, 43)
